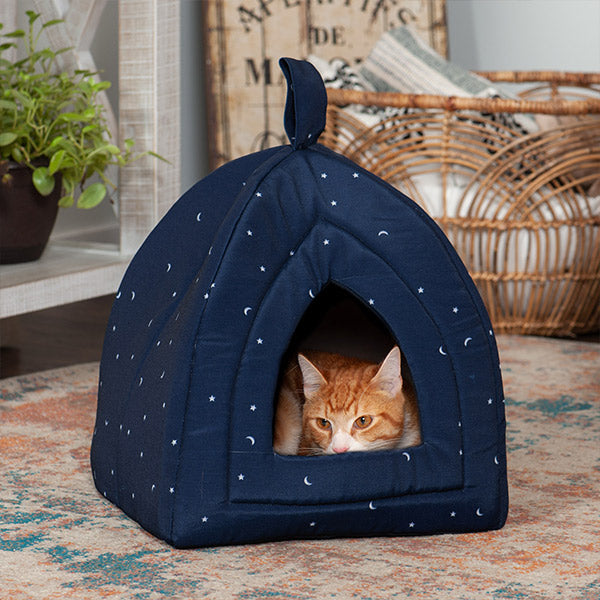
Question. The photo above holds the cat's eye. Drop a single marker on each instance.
(363, 422)
(323, 423)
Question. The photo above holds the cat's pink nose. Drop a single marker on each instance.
(340, 449)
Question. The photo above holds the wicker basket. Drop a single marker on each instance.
(522, 210)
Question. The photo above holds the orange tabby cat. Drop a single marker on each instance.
(329, 404)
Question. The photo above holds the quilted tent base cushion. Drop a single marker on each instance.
(206, 311)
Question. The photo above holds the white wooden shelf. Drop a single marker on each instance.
(64, 274)
(149, 107)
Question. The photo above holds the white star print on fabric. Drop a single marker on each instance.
(420, 290)
(325, 242)
(211, 398)
(173, 442)
(355, 175)
(241, 477)
(253, 407)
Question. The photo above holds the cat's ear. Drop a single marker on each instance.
(311, 376)
(389, 379)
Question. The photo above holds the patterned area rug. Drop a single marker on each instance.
(60, 539)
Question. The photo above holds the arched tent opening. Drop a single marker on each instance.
(243, 263)
(337, 321)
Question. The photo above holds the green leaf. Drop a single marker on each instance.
(112, 149)
(56, 162)
(7, 138)
(43, 181)
(66, 201)
(57, 141)
(19, 33)
(52, 22)
(8, 104)
(101, 85)
(17, 155)
(71, 117)
(92, 196)
(33, 16)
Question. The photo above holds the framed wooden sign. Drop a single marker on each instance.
(245, 38)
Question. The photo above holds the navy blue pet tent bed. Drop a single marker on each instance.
(205, 313)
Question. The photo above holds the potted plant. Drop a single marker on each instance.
(54, 142)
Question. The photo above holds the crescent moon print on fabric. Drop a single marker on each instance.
(247, 310)
(168, 267)
(251, 439)
(383, 232)
(479, 513)
(306, 481)
(407, 455)
(199, 217)
(310, 293)
(467, 340)
(132, 295)
(441, 351)
(372, 506)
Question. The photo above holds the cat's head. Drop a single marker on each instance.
(352, 407)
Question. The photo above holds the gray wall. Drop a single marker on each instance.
(491, 35)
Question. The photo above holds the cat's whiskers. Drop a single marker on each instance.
(311, 451)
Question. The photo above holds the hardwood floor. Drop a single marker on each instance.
(55, 337)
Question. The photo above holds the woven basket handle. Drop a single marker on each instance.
(306, 103)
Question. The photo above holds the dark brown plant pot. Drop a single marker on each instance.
(26, 217)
